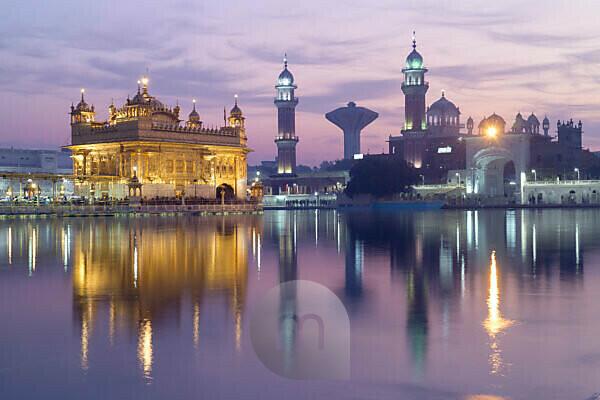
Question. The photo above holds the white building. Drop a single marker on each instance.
(27, 173)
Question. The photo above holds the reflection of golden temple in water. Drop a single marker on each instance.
(137, 273)
(495, 323)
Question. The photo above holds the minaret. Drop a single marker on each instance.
(286, 139)
(414, 88)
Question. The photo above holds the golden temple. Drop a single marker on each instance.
(146, 142)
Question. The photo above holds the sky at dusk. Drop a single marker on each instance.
(505, 56)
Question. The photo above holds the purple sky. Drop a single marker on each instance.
(502, 57)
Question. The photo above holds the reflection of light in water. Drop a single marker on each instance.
(457, 240)
(111, 322)
(476, 226)
(577, 246)
(9, 244)
(295, 230)
(316, 227)
(524, 224)
(511, 229)
(32, 251)
(66, 239)
(238, 330)
(85, 337)
(418, 249)
(534, 248)
(495, 324)
(337, 235)
(258, 253)
(135, 262)
(253, 242)
(196, 325)
(462, 276)
(145, 352)
(469, 229)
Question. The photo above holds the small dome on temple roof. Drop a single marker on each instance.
(194, 116)
(82, 105)
(443, 106)
(532, 119)
(494, 118)
(236, 111)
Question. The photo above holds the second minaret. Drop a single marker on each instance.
(286, 139)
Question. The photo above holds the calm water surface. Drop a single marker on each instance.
(442, 305)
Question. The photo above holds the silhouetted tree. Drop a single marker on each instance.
(381, 176)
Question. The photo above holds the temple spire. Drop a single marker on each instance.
(414, 40)
(285, 62)
(82, 93)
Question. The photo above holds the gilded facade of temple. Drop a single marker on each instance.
(146, 141)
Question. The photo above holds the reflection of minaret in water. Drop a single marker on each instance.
(288, 273)
(417, 323)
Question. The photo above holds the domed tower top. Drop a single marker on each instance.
(236, 111)
(520, 125)
(414, 59)
(285, 85)
(194, 117)
(534, 124)
(83, 113)
(236, 117)
(286, 78)
(546, 125)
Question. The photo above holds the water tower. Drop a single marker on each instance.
(351, 119)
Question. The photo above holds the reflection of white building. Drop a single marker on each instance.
(25, 173)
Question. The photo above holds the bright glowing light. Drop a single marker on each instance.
(495, 324)
(194, 101)
(145, 81)
(82, 90)
(145, 350)
(491, 132)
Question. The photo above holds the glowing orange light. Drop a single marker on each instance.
(491, 132)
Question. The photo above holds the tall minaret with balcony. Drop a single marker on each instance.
(414, 88)
(286, 140)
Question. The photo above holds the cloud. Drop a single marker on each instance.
(538, 39)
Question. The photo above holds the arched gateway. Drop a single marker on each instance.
(495, 171)
(496, 167)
